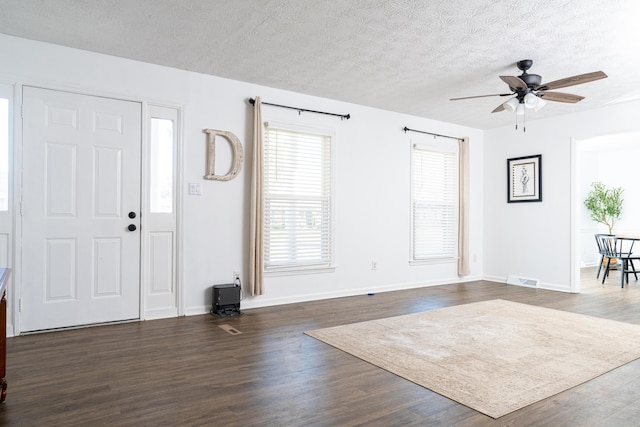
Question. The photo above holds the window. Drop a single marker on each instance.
(297, 199)
(434, 202)
(5, 98)
(161, 156)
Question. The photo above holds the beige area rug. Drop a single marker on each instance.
(494, 356)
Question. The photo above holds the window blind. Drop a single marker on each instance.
(297, 186)
(434, 201)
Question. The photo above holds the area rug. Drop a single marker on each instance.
(494, 356)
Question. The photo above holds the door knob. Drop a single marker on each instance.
(132, 214)
(131, 227)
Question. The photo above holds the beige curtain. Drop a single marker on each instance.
(256, 256)
(463, 213)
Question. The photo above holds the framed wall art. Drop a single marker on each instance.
(524, 179)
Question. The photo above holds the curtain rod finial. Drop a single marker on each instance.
(252, 101)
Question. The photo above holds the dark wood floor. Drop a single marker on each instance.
(188, 371)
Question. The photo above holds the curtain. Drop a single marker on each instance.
(256, 256)
(463, 214)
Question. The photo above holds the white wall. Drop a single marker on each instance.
(371, 187)
(535, 239)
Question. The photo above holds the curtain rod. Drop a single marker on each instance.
(252, 101)
(406, 129)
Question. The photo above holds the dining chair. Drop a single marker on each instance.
(607, 243)
(601, 250)
(624, 252)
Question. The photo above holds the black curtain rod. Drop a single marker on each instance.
(252, 101)
(406, 129)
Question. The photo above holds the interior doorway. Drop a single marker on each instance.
(611, 159)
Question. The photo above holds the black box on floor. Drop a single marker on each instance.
(226, 300)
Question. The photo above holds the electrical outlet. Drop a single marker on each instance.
(236, 276)
(374, 265)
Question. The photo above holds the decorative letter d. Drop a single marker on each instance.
(238, 153)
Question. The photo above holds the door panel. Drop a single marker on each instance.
(81, 178)
(61, 182)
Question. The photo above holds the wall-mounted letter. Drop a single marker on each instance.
(236, 147)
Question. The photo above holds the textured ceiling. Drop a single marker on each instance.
(408, 56)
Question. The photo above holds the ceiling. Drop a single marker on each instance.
(408, 56)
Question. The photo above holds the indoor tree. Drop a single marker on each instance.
(605, 204)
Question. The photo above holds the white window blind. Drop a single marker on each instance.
(434, 203)
(298, 211)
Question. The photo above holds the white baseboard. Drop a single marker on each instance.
(265, 301)
(541, 285)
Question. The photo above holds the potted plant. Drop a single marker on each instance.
(604, 204)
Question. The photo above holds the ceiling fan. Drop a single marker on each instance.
(531, 93)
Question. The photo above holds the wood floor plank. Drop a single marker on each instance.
(189, 372)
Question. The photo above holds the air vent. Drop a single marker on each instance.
(229, 329)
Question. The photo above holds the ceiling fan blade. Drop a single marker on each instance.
(481, 96)
(560, 97)
(575, 80)
(498, 108)
(514, 82)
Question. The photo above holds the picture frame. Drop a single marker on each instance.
(524, 179)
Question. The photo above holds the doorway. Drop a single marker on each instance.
(610, 159)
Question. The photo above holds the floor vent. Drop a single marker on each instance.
(522, 281)
(229, 329)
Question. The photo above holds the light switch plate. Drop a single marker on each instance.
(195, 189)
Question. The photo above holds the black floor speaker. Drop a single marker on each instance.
(226, 300)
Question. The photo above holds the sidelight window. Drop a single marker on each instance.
(5, 123)
(161, 164)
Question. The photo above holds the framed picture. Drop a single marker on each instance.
(524, 179)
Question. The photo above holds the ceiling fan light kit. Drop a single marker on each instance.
(530, 100)
(529, 90)
(539, 104)
(511, 105)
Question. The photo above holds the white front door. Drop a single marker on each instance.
(80, 210)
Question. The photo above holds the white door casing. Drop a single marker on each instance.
(81, 181)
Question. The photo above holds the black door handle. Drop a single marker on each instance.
(132, 214)
(131, 227)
